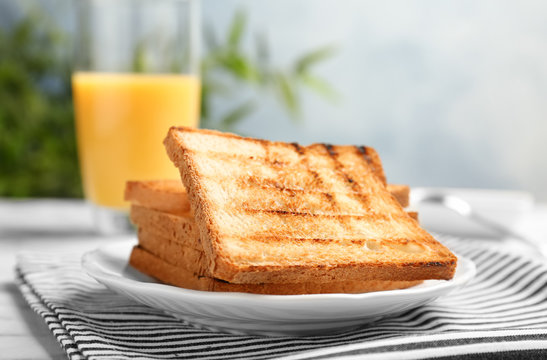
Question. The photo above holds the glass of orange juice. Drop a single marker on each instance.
(136, 75)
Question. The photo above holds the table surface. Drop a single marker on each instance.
(36, 225)
(67, 225)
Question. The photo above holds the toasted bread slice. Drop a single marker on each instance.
(173, 235)
(170, 195)
(174, 251)
(401, 193)
(180, 227)
(413, 215)
(164, 195)
(191, 260)
(166, 272)
(272, 212)
(190, 263)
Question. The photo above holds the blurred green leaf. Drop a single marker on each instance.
(306, 61)
(255, 74)
(288, 94)
(236, 29)
(240, 67)
(37, 142)
(320, 86)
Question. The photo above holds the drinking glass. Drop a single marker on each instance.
(135, 75)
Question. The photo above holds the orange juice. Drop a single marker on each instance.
(121, 121)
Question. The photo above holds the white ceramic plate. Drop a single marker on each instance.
(263, 314)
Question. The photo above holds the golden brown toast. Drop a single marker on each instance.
(401, 193)
(174, 252)
(191, 265)
(164, 195)
(180, 228)
(168, 237)
(170, 226)
(275, 212)
(170, 195)
(413, 215)
(154, 266)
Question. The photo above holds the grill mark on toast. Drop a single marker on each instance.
(297, 148)
(277, 183)
(269, 184)
(272, 184)
(266, 153)
(317, 178)
(365, 152)
(325, 215)
(330, 150)
(339, 167)
(256, 159)
(268, 238)
(303, 159)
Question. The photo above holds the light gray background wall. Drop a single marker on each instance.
(450, 93)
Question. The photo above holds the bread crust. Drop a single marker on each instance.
(169, 226)
(333, 246)
(190, 264)
(155, 225)
(401, 193)
(164, 195)
(174, 251)
(163, 271)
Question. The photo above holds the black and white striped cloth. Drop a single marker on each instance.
(501, 314)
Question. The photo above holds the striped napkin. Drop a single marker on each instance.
(502, 312)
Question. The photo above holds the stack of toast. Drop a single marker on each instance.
(276, 218)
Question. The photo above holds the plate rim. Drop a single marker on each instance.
(465, 271)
